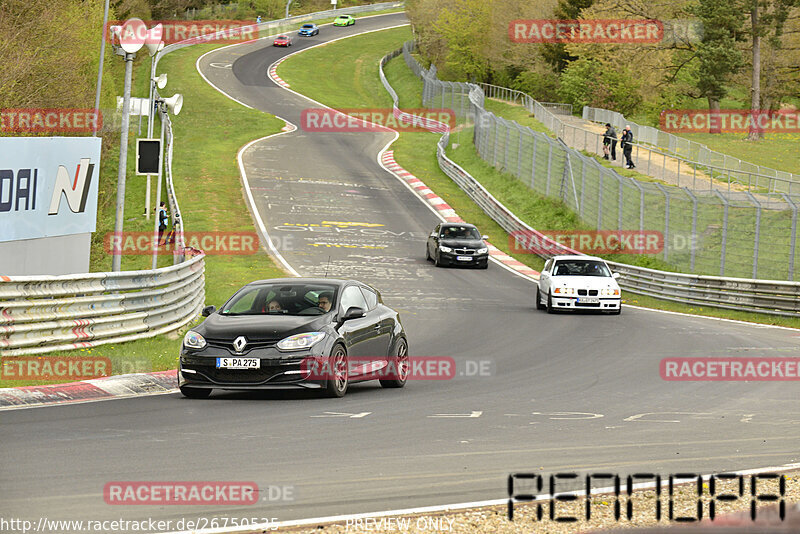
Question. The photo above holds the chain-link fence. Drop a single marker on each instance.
(757, 177)
(707, 231)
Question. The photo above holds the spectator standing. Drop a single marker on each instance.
(162, 220)
(610, 142)
(626, 143)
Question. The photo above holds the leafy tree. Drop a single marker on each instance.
(767, 19)
(556, 54)
(588, 82)
(717, 54)
(462, 25)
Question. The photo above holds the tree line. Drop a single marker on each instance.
(745, 52)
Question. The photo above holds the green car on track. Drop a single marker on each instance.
(344, 20)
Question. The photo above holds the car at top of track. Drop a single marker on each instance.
(282, 40)
(308, 30)
(295, 333)
(457, 244)
(578, 283)
(344, 20)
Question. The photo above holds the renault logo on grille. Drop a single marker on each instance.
(239, 343)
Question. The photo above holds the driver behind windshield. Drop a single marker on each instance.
(324, 301)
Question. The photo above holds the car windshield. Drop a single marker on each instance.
(308, 26)
(281, 299)
(581, 268)
(281, 37)
(459, 232)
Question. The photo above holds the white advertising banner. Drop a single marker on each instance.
(48, 186)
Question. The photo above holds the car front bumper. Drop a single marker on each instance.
(278, 370)
(574, 303)
(451, 258)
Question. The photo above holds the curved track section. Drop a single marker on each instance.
(565, 392)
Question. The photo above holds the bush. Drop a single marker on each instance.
(587, 82)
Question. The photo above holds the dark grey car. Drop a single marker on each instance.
(457, 244)
(295, 333)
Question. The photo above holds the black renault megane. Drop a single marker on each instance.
(295, 333)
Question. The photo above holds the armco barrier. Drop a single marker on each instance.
(40, 314)
(761, 296)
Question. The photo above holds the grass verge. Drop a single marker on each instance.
(356, 81)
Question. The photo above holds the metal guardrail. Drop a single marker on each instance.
(761, 296)
(40, 314)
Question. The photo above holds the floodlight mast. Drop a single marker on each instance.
(131, 40)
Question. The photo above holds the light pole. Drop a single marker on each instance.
(132, 37)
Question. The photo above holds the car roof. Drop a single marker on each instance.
(458, 225)
(577, 257)
(332, 281)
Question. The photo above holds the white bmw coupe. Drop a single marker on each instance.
(578, 283)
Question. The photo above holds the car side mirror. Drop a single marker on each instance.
(615, 275)
(208, 310)
(353, 313)
(484, 237)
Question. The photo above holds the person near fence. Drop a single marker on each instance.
(162, 220)
(626, 143)
(610, 142)
(258, 19)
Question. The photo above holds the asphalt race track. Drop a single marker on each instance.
(562, 392)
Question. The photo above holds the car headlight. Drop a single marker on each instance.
(193, 340)
(564, 291)
(482, 250)
(445, 249)
(609, 291)
(301, 341)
